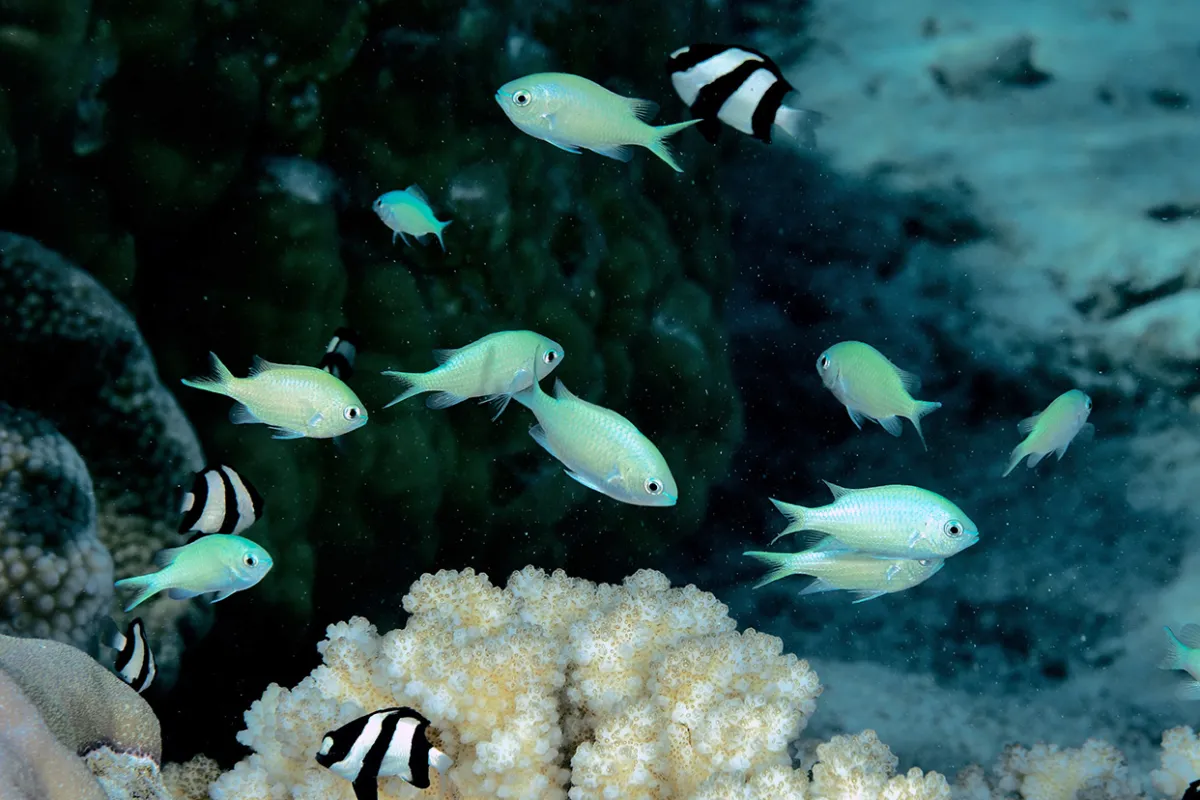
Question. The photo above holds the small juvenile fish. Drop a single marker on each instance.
(600, 448)
(871, 387)
(218, 563)
(898, 521)
(1053, 430)
(571, 112)
(340, 353)
(1183, 652)
(407, 213)
(220, 501)
(295, 401)
(867, 576)
(494, 368)
(135, 661)
(391, 742)
(741, 87)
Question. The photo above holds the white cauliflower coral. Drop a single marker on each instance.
(551, 688)
(1180, 763)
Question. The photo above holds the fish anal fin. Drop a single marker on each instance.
(221, 596)
(620, 152)
(570, 148)
(818, 586)
(438, 400)
(892, 425)
(585, 481)
(856, 417)
(838, 491)
(416, 192)
(1025, 426)
(808, 540)
(239, 414)
(864, 596)
(1190, 636)
(284, 433)
(181, 594)
(1061, 450)
(642, 109)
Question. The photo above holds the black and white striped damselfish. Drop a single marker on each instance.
(741, 87)
(220, 501)
(387, 743)
(135, 660)
(338, 360)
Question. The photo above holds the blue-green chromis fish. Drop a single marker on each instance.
(218, 562)
(571, 113)
(867, 576)
(1183, 652)
(408, 213)
(494, 368)
(871, 387)
(296, 401)
(899, 521)
(1053, 430)
(600, 448)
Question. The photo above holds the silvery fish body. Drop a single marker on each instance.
(600, 448)
(572, 112)
(871, 387)
(1053, 430)
(868, 576)
(493, 368)
(296, 401)
(900, 521)
(218, 563)
(408, 213)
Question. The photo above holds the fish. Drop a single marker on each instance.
(218, 563)
(391, 742)
(599, 448)
(295, 401)
(743, 88)
(574, 113)
(407, 213)
(135, 660)
(895, 520)
(1192, 792)
(867, 576)
(220, 501)
(340, 353)
(871, 387)
(493, 368)
(1183, 652)
(1053, 430)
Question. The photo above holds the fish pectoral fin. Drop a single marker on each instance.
(315, 419)
(284, 433)
(892, 425)
(221, 596)
(584, 480)
(892, 572)
(404, 237)
(366, 786)
(1086, 431)
(500, 401)
(915, 538)
(864, 596)
(241, 415)
(621, 152)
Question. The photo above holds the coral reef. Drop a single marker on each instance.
(190, 780)
(99, 387)
(551, 687)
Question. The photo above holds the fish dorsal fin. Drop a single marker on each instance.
(163, 558)
(1190, 636)
(838, 491)
(642, 109)
(561, 392)
(444, 355)
(259, 365)
(416, 192)
(1026, 425)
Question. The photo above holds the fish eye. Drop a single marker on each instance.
(953, 528)
(351, 413)
(824, 362)
(521, 97)
(251, 560)
(1087, 403)
(550, 356)
(654, 486)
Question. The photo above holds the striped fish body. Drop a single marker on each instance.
(742, 88)
(295, 400)
(220, 501)
(392, 742)
(866, 575)
(340, 353)
(600, 448)
(135, 661)
(896, 520)
(1053, 430)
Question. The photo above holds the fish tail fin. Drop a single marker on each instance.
(658, 142)
(780, 566)
(1018, 453)
(1176, 652)
(799, 123)
(110, 635)
(145, 585)
(920, 409)
(796, 517)
(218, 381)
(441, 227)
(410, 383)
